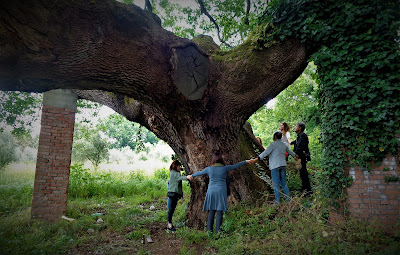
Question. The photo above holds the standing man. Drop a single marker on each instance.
(301, 149)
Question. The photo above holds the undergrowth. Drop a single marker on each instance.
(112, 220)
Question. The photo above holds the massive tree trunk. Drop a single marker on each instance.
(189, 94)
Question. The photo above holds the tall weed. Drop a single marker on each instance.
(85, 183)
(16, 188)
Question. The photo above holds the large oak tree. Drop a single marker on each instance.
(187, 92)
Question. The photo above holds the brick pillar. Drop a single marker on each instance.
(373, 198)
(50, 193)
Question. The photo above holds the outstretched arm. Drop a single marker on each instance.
(202, 172)
(232, 167)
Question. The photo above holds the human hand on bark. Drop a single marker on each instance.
(189, 177)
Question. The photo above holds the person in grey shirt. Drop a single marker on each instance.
(277, 163)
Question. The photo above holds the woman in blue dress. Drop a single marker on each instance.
(216, 197)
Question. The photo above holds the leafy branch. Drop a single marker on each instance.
(205, 12)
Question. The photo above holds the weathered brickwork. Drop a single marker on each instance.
(50, 194)
(372, 198)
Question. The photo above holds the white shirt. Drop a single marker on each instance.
(286, 138)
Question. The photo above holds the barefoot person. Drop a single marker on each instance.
(216, 197)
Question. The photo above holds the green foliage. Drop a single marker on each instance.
(126, 133)
(162, 174)
(85, 183)
(298, 102)
(193, 236)
(90, 108)
(392, 178)
(7, 149)
(294, 228)
(89, 145)
(185, 19)
(19, 110)
(137, 234)
(16, 188)
(356, 50)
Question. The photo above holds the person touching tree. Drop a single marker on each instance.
(216, 197)
(277, 163)
(174, 190)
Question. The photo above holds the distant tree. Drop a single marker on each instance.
(126, 133)
(7, 149)
(89, 145)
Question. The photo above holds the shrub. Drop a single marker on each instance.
(7, 149)
(162, 174)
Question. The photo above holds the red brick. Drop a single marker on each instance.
(54, 154)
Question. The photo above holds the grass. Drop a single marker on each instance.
(16, 188)
(297, 227)
(122, 200)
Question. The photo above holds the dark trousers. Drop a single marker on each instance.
(171, 209)
(210, 222)
(304, 176)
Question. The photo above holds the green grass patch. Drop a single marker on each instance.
(16, 188)
(112, 220)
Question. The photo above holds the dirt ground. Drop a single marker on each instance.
(114, 243)
(107, 241)
(167, 243)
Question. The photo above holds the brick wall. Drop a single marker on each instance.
(371, 198)
(50, 194)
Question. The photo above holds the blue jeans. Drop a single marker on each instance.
(279, 179)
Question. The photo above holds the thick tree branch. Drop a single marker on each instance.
(134, 111)
(109, 46)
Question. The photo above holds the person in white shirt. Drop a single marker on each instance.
(277, 163)
(285, 129)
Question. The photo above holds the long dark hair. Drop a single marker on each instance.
(217, 158)
(174, 165)
(285, 126)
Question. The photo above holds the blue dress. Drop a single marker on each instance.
(216, 197)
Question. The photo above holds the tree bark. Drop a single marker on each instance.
(190, 95)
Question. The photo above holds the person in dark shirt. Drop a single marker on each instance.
(301, 149)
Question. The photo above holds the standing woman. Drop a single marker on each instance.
(216, 198)
(285, 129)
(174, 190)
(277, 163)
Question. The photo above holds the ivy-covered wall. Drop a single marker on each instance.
(355, 45)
